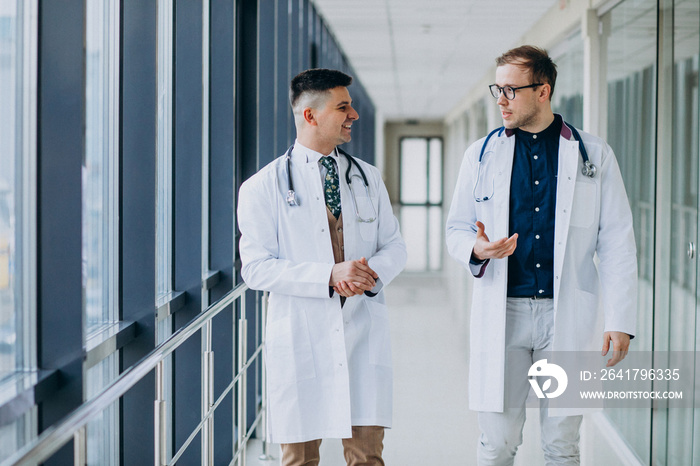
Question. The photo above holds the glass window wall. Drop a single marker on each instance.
(18, 64)
(567, 99)
(100, 212)
(631, 82)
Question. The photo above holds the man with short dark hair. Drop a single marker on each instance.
(318, 233)
(552, 200)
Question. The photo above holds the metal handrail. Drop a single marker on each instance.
(56, 436)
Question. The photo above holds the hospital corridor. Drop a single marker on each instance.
(201, 202)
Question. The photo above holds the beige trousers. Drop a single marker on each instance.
(363, 449)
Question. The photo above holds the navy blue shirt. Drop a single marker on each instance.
(533, 197)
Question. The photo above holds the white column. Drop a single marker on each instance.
(595, 33)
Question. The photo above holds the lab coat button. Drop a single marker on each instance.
(323, 230)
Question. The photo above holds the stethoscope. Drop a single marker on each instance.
(588, 169)
(292, 197)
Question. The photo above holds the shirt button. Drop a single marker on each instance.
(537, 265)
(534, 136)
(541, 291)
(535, 157)
(537, 236)
(537, 209)
(537, 182)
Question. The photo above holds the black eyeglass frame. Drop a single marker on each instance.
(496, 90)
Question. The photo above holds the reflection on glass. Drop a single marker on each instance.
(567, 99)
(10, 166)
(164, 151)
(102, 441)
(684, 211)
(99, 212)
(164, 185)
(631, 72)
(95, 170)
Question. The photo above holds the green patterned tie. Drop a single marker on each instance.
(330, 186)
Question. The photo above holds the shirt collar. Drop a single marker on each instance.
(550, 132)
(310, 155)
(561, 129)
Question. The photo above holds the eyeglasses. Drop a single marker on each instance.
(508, 91)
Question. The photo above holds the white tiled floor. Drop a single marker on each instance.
(432, 425)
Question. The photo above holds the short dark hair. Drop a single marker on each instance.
(316, 80)
(542, 68)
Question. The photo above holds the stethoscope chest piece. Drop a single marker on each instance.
(292, 198)
(588, 169)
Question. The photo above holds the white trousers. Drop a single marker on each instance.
(529, 332)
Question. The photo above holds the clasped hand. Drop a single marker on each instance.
(352, 278)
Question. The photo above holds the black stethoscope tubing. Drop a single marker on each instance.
(291, 194)
(588, 168)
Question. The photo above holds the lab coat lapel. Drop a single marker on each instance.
(566, 183)
(504, 154)
(310, 172)
(349, 219)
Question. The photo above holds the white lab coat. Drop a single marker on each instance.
(592, 217)
(328, 368)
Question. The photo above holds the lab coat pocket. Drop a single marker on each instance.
(583, 210)
(379, 334)
(366, 211)
(288, 353)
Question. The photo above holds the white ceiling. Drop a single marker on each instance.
(418, 58)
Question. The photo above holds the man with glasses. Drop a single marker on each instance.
(535, 202)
